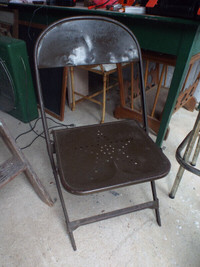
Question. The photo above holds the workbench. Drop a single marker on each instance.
(173, 36)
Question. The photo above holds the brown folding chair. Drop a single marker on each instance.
(106, 156)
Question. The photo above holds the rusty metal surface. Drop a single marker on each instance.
(75, 42)
(106, 156)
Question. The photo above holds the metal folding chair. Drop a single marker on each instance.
(106, 156)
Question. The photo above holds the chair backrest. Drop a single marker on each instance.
(86, 40)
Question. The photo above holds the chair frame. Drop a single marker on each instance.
(154, 204)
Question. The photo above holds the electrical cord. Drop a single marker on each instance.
(30, 23)
(32, 17)
(32, 129)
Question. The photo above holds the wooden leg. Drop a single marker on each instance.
(121, 84)
(158, 91)
(18, 164)
(146, 73)
(132, 85)
(104, 98)
(72, 86)
(37, 185)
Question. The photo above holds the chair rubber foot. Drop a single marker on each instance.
(159, 221)
(74, 248)
(171, 196)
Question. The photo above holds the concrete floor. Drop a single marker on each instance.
(33, 234)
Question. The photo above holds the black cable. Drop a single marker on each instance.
(32, 129)
(25, 132)
(47, 18)
(39, 135)
(58, 125)
(29, 26)
(31, 142)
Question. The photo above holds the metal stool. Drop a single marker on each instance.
(190, 141)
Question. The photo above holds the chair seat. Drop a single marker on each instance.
(106, 156)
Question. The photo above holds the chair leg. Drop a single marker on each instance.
(69, 231)
(153, 188)
(72, 86)
(196, 153)
(177, 182)
(190, 144)
(104, 98)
